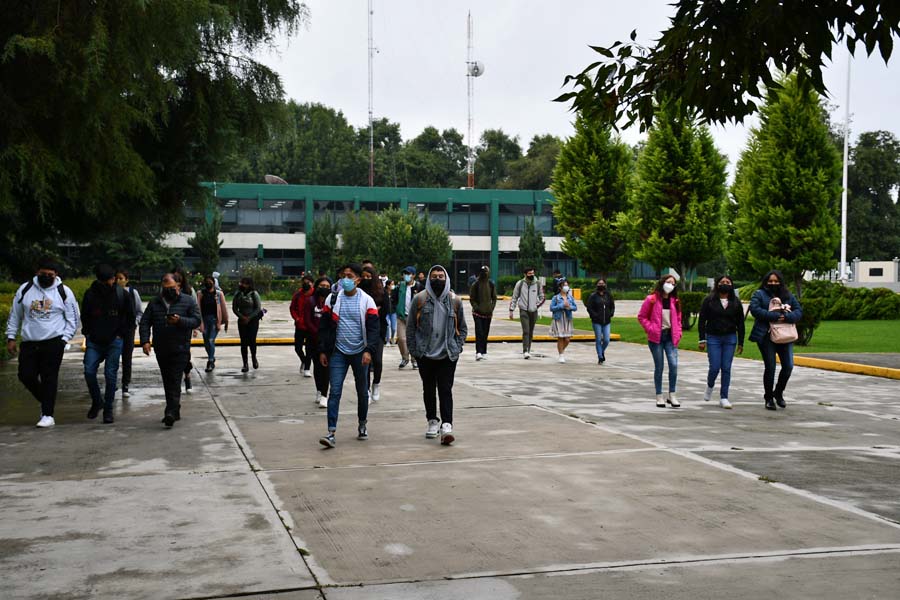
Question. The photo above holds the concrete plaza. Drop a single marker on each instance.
(565, 482)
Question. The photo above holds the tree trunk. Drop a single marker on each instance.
(798, 285)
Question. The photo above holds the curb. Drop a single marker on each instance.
(845, 367)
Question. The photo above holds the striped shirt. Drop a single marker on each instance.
(349, 339)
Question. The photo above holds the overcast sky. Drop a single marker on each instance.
(527, 47)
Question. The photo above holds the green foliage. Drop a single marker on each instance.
(433, 159)
(690, 307)
(323, 245)
(261, 273)
(842, 303)
(493, 157)
(699, 60)
(590, 185)
(873, 218)
(206, 241)
(787, 188)
(534, 171)
(357, 236)
(113, 112)
(677, 202)
(136, 252)
(813, 309)
(531, 246)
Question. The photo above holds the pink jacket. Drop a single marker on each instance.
(650, 318)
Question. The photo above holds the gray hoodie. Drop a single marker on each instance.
(436, 325)
(42, 314)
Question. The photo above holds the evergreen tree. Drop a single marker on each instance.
(534, 171)
(206, 242)
(590, 183)
(494, 156)
(677, 203)
(873, 218)
(323, 245)
(788, 186)
(531, 247)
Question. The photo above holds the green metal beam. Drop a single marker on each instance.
(308, 223)
(495, 237)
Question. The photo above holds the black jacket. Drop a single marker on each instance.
(106, 313)
(170, 338)
(601, 308)
(716, 320)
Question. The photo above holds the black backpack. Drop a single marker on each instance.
(61, 288)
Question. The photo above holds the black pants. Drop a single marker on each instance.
(172, 366)
(303, 346)
(377, 365)
(437, 376)
(320, 374)
(482, 331)
(39, 364)
(248, 338)
(127, 354)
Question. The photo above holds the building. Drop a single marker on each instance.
(269, 223)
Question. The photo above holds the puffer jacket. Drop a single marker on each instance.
(650, 318)
(759, 308)
(170, 338)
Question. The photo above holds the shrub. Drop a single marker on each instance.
(262, 275)
(690, 308)
(812, 317)
(841, 303)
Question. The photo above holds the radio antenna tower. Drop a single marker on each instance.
(473, 69)
(371, 96)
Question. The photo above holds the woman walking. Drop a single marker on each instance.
(183, 279)
(721, 328)
(772, 304)
(371, 285)
(601, 308)
(213, 316)
(562, 306)
(302, 346)
(660, 316)
(248, 308)
(314, 306)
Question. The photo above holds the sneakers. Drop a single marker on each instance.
(362, 434)
(484, 356)
(707, 395)
(433, 426)
(415, 366)
(562, 358)
(724, 403)
(602, 359)
(108, 417)
(526, 355)
(209, 366)
(403, 363)
(125, 392)
(376, 392)
(478, 356)
(660, 401)
(94, 410)
(447, 437)
(672, 400)
(188, 388)
(307, 373)
(46, 421)
(328, 441)
(323, 402)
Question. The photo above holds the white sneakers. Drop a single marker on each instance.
(307, 373)
(660, 401)
(323, 402)
(707, 395)
(433, 427)
(376, 392)
(46, 421)
(447, 437)
(673, 400)
(526, 355)
(562, 358)
(478, 356)
(724, 403)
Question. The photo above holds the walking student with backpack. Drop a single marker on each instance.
(435, 333)
(128, 340)
(106, 319)
(483, 298)
(47, 312)
(528, 295)
(721, 329)
(248, 308)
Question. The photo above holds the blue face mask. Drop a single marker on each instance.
(348, 284)
(407, 278)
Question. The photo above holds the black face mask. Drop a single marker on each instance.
(366, 285)
(529, 277)
(210, 286)
(600, 288)
(46, 281)
(306, 285)
(170, 294)
(437, 286)
(243, 289)
(323, 291)
(724, 288)
(773, 288)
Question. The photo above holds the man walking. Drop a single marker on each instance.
(528, 295)
(483, 298)
(170, 317)
(348, 335)
(106, 320)
(435, 332)
(402, 298)
(47, 312)
(128, 340)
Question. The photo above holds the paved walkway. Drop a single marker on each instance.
(565, 482)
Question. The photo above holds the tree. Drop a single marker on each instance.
(873, 217)
(114, 112)
(323, 244)
(678, 199)
(357, 237)
(434, 159)
(136, 252)
(704, 61)
(387, 146)
(493, 157)
(590, 185)
(206, 242)
(534, 171)
(531, 247)
(787, 188)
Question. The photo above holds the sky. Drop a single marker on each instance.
(527, 47)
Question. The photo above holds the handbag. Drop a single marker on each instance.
(781, 333)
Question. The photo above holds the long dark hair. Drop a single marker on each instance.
(658, 288)
(377, 290)
(184, 280)
(714, 294)
(784, 293)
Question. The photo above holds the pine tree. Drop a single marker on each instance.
(531, 247)
(206, 242)
(590, 185)
(677, 202)
(787, 188)
(322, 244)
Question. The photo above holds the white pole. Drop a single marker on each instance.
(843, 265)
(470, 80)
(371, 100)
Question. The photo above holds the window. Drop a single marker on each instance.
(876, 272)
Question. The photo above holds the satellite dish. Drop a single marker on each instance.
(275, 179)
(476, 68)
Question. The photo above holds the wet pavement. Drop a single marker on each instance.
(565, 481)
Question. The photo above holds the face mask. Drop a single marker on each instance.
(407, 278)
(243, 289)
(724, 288)
(601, 287)
(209, 287)
(46, 281)
(437, 286)
(668, 287)
(348, 284)
(773, 288)
(306, 285)
(323, 291)
(529, 277)
(383, 280)
(366, 285)
(170, 294)
(565, 289)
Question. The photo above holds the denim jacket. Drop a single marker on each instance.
(556, 307)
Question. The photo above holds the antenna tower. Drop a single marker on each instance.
(371, 96)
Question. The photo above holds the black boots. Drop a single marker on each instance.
(770, 402)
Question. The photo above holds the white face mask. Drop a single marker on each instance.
(565, 289)
(668, 287)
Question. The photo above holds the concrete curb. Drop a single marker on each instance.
(845, 367)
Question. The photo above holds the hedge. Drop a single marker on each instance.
(842, 303)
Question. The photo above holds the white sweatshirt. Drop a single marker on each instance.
(42, 313)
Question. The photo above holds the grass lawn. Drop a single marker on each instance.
(830, 336)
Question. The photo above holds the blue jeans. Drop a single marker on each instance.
(391, 326)
(338, 365)
(665, 346)
(109, 354)
(720, 351)
(785, 353)
(210, 332)
(601, 332)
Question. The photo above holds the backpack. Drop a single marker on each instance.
(61, 288)
(454, 301)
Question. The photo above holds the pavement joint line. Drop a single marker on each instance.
(253, 594)
(244, 447)
(857, 411)
(788, 449)
(389, 411)
(845, 506)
